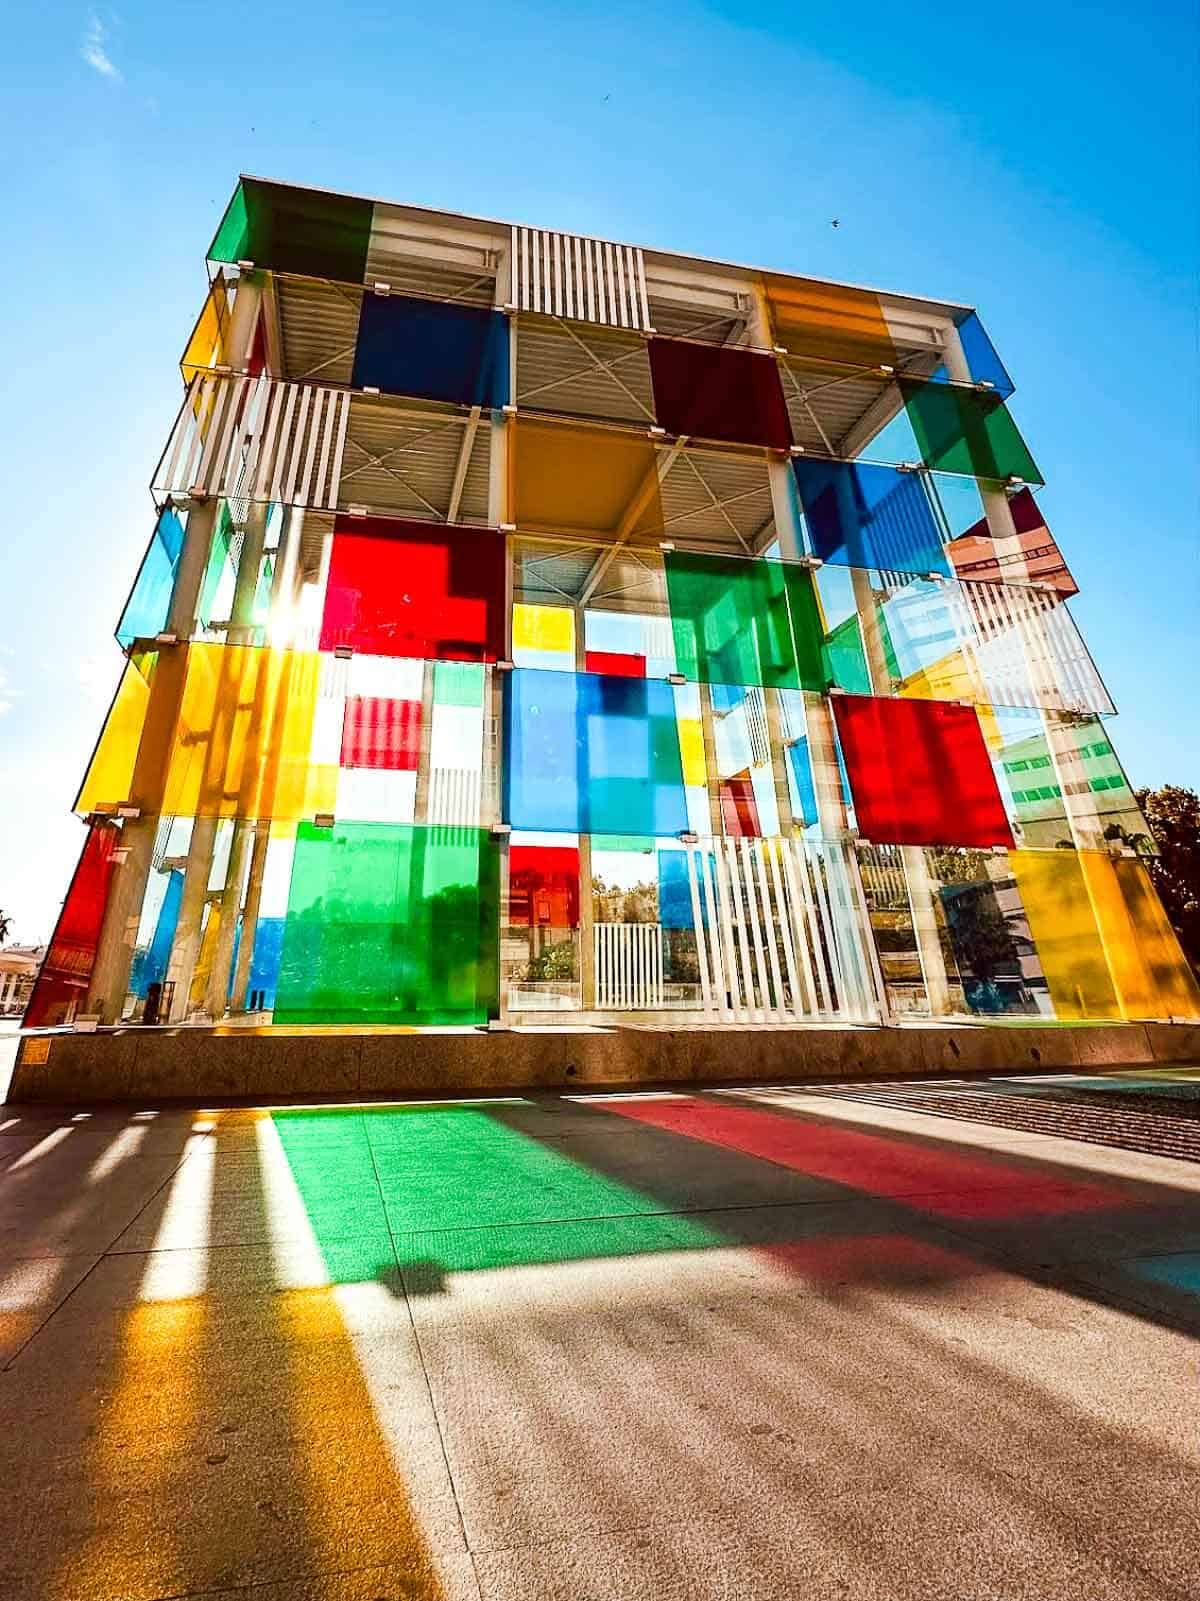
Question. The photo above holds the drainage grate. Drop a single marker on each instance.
(1065, 1117)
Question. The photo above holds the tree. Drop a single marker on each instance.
(5, 925)
(1173, 814)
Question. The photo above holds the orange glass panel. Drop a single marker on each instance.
(1149, 970)
(566, 477)
(830, 320)
(1054, 892)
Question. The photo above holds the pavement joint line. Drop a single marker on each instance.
(275, 1581)
(600, 1533)
(101, 1256)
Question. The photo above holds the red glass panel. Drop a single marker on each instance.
(616, 663)
(62, 985)
(739, 811)
(715, 393)
(378, 732)
(919, 772)
(543, 886)
(415, 589)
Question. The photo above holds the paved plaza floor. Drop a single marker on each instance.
(754, 1344)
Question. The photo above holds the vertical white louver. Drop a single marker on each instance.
(1030, 651)
(568, 275)
(257, 439)
(782, 932)
(454, 796)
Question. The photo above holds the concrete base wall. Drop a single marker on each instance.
(196, 1064)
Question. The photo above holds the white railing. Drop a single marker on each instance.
(628, 966)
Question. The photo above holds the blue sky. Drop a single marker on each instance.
(1036, 161)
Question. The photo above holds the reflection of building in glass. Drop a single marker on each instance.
(18, 968)
(531, 622)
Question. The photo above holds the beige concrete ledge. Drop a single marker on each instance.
(201, 1064)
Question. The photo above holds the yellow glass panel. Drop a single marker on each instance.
(320, 793)
(204, 961)
(990, 724)
(830, 320)
(691, 749)
(108, 781)
(544, 628)
(206, 347)
(570, 478)
(244, 735)
(947, 679)
(223, 731)
(1061, 919)
(1149, 970)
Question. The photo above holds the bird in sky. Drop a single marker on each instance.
(836, 223)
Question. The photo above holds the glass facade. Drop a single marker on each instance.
(524, 631)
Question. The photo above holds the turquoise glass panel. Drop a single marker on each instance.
(149, 604)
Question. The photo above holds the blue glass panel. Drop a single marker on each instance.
(147, 608)
(675, 892)
(264, 963)
(861, 515)
(150, 965)
(806, 792)
(727, 697)
(592, 754)
(984, 364)
(433, 350)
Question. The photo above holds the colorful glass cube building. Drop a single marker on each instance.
(540, 627)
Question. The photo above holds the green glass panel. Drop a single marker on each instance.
(744, 622)
(845, 660)
(295, 230)
(391, 923)
(232, 239)
(967, 431)
(458, 684)
(219, 566)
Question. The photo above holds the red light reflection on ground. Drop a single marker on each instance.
(944, 1183)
